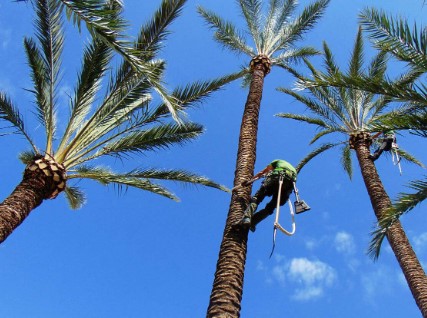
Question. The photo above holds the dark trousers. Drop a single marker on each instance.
(385, 146)
(269, 187)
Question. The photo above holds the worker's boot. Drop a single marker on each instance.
(246, 220)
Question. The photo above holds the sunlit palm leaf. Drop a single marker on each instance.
(346, 160)
(75, 196)
(226, 33)
(405, 203)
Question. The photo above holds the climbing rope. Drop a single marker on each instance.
(395, 156)
(276, 222)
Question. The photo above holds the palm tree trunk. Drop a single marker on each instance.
(405, 255)
(28, 195)
(227, 288)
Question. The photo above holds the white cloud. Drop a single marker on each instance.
(344, 243)
(310, 278)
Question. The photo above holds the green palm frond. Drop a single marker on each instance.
(141, 179)
(294, 56)
(155, 138)
(293, 31)
(252, 12)
(356, 55)
(313, 154)
(75, 196)
(155, 31)
(397, 37)
(346, 160)
(404, 204)
(27, 157)
(408, 157)
(10, 113)
(105, 22)
(96, 58)
(226, 33)
(325, 132)
(307, 119)
(121, 180)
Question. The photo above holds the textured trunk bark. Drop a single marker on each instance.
(408, 261)
(227, 288)
(28, 195)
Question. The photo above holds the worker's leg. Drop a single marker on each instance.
(287, 188)
(379, 151)
(253, 205)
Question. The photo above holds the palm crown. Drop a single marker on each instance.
(123, 123)
(274, 35)
(344, 110)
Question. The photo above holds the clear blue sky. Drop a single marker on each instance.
(135, 254)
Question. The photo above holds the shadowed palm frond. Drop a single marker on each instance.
(309, 120)
(397, 37)
(405, 203)
(155, 31)
(10, 113)
(141, 179)
(314, 153)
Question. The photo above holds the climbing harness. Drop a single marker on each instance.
(276, 222)
(395, 156)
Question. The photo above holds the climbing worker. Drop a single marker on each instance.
(388, 141)
(270, 187)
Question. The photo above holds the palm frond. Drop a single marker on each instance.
(155, 31)
(51, 39)
(396, 37)
(293, 56)
(27, 157)
(346, 160)
(226, 33)
(405, 203)
(313, 154)
(408, 157)
(95, 63)
(10, 113)
(155, 138)
(75, 196)
(325, 132)
(307, 119)
(120, 180)
(356, 60)
(294, 30)
(252, 12)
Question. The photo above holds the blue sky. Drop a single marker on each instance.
(135, 254)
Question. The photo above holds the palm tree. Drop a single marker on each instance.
(274, 39)
(105, 22)
(354, 113)
(123, 122)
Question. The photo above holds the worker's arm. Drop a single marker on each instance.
(258, 175)
(376, 135)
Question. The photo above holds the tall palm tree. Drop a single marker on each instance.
(274, 37)
(354, 113)
(121, 123)
(104, 21)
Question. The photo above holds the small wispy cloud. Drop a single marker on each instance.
(344, 243)
(5, 37)
(420, 241)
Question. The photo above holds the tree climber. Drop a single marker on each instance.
(270, 187)
(388, 141)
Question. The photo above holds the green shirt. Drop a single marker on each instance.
(280, 165)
